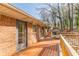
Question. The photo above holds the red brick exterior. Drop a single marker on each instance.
(7, 35)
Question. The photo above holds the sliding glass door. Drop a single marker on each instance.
(21, 35)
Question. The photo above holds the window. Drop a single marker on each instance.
(42, 31)
(34, 28)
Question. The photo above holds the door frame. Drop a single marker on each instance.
(18, 34)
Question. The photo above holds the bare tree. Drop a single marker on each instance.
(60, 17)
(70, 7)
(51, 15)
(58, 12)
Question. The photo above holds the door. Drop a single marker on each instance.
(21, 35)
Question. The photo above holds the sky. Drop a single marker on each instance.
(31, 8)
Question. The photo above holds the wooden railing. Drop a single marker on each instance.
(72, 38)
(67, 49)
(67, 33)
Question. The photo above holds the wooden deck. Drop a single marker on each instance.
(42, 48)
(50, 51)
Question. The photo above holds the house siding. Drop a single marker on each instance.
(7, 35)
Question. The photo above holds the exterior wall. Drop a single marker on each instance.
(7, 35)
(31, 35)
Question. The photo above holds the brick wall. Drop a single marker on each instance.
(7, 35)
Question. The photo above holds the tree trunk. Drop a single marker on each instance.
(60, 17)
(70, 19)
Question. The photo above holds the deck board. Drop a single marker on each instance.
(47, 48)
